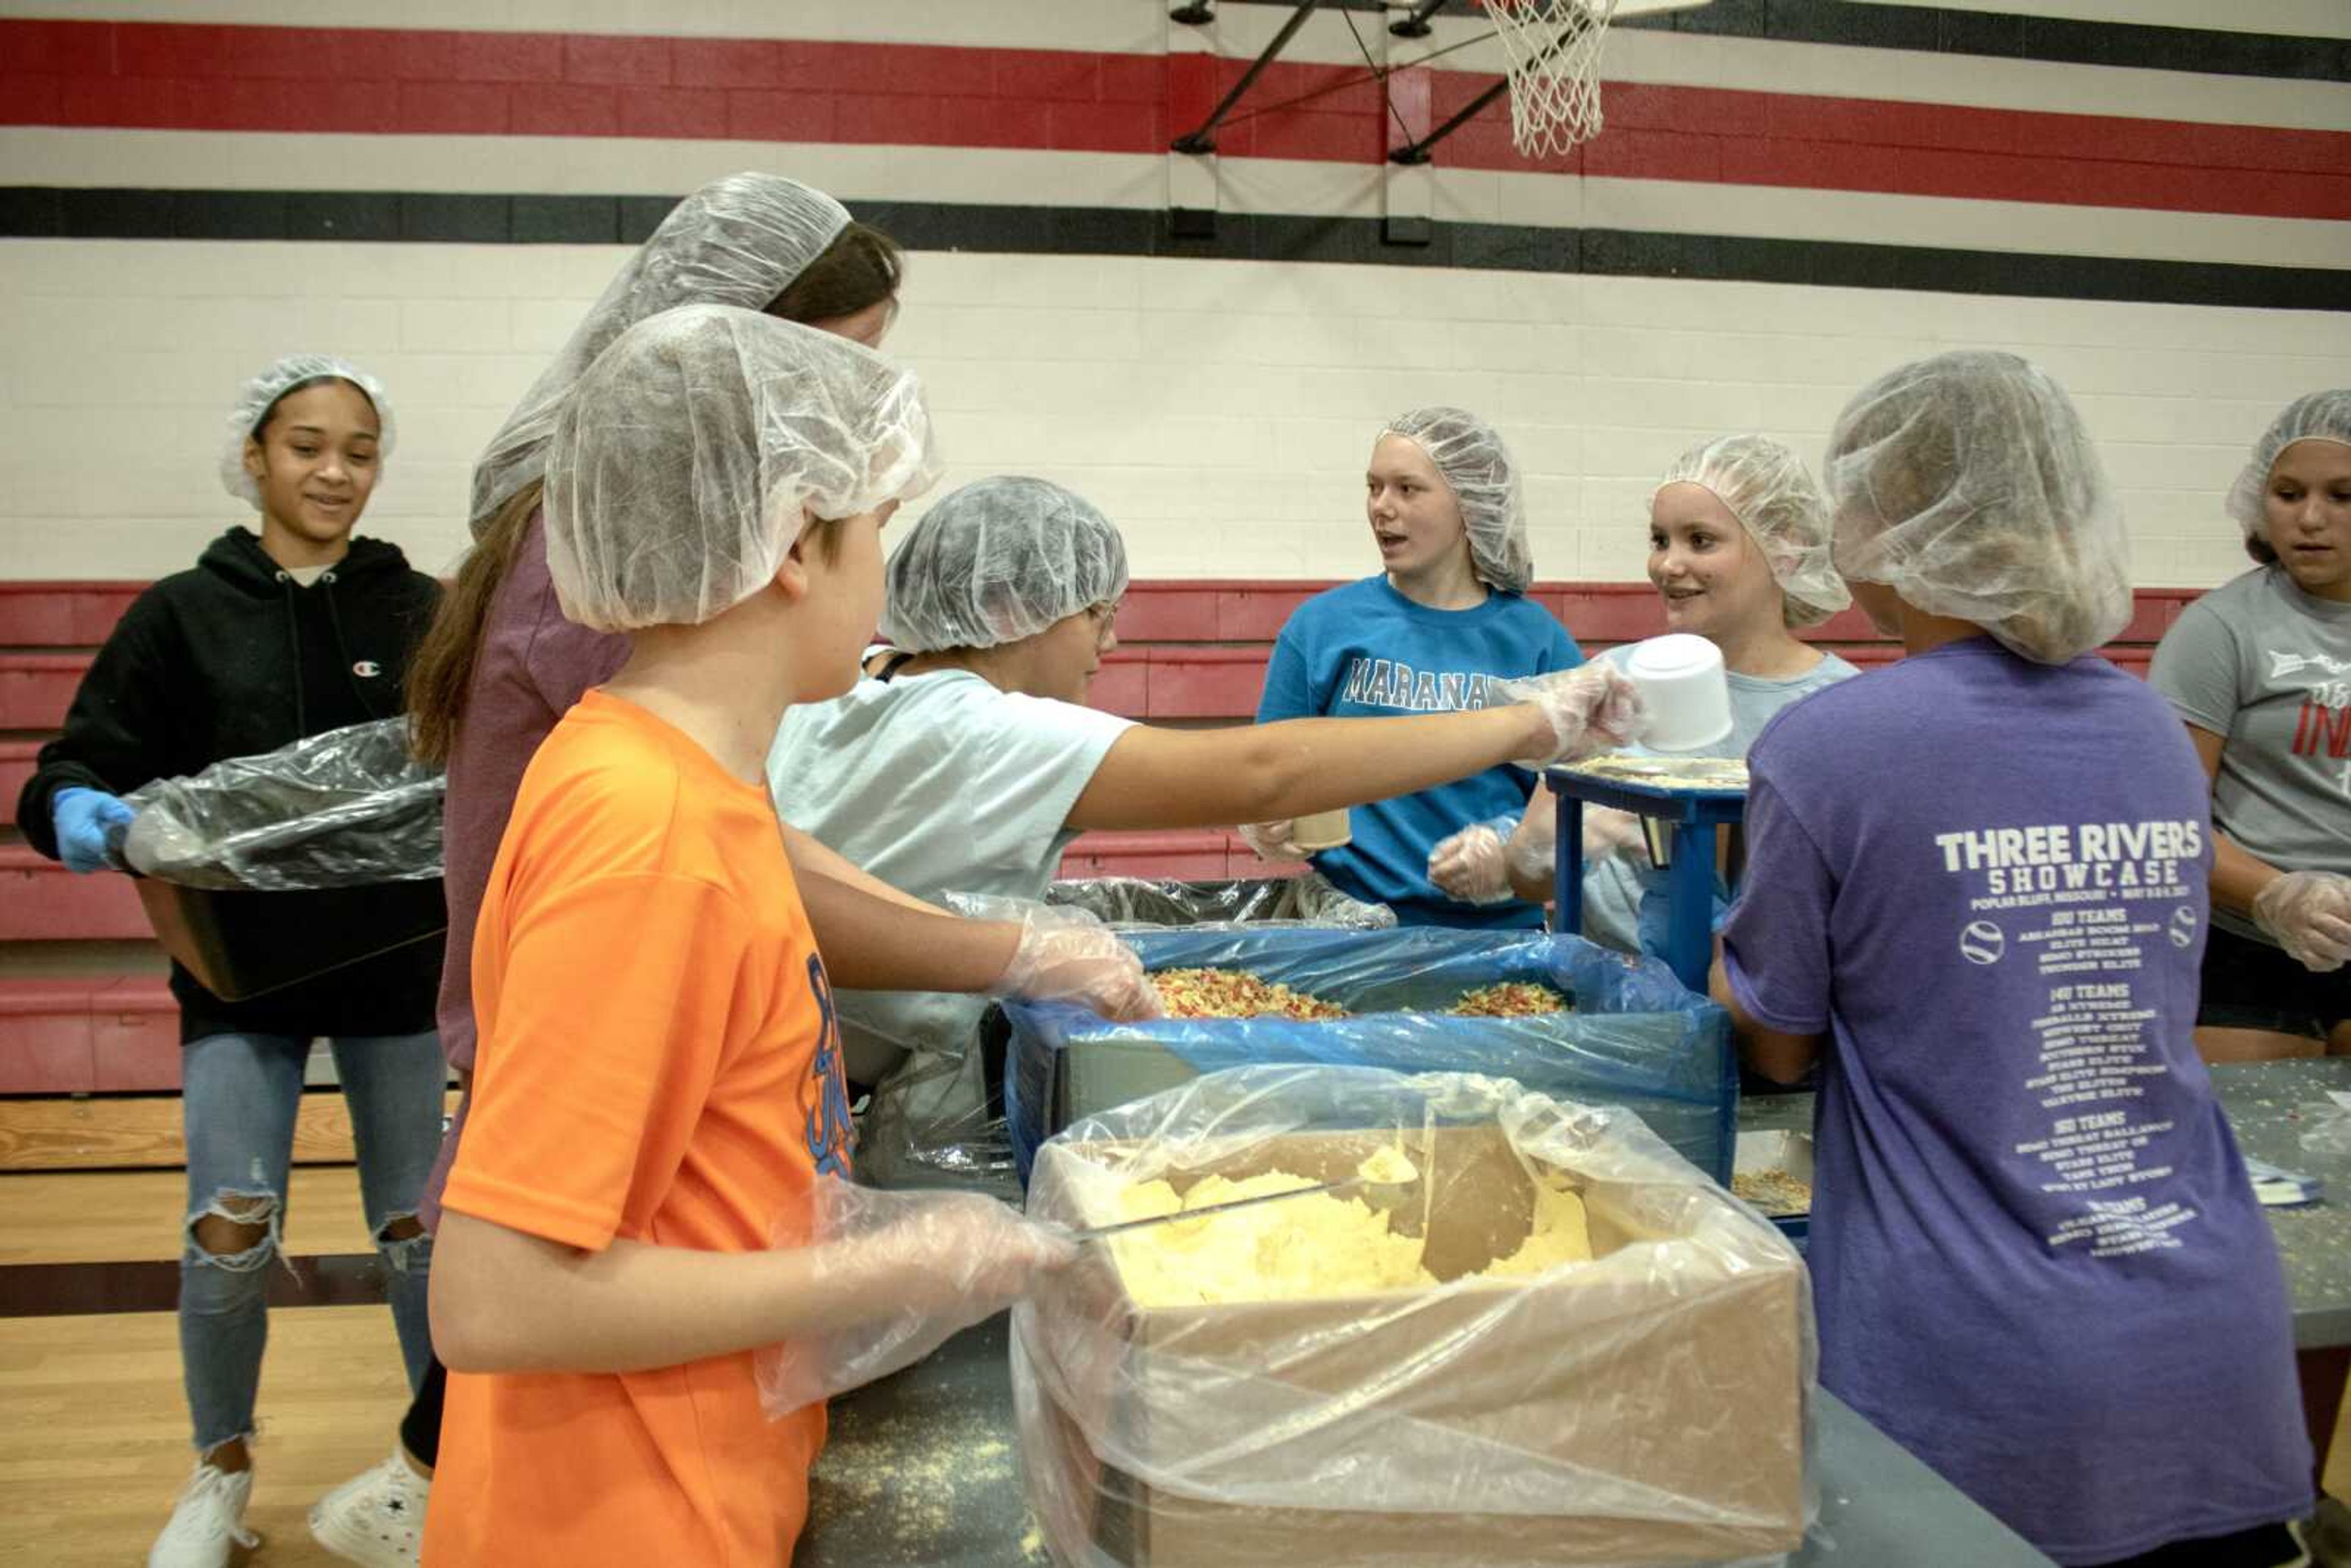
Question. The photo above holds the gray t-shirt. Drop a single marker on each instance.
(936, 783)
(2263, 664)
(1612, 887)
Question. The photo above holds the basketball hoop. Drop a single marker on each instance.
(1553, 48)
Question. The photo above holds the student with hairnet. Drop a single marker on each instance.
(2260, 669)
(1444, 620)
(303, 629)
(1739, 550)
(660, 1117)
(1976, 892)
(501, 664)
(969, 765)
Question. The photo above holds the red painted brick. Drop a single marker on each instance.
(304, 54)
(1877, 123)
(565, 108)
(1043, 74)
(622, 61)
(674, 111)
(27, 99)
(858, 118)
(1978, 129)
(174, 50)
(1332, 138)
(1133, 79)
(157, 102)
(58, 48)
(418, 56)
(1108, 127)
(508, 57)
(995, 122)
(885, 70)
(780, 116)
(1192, 91)
(455, 109)
(358, 109)
(752, 63)
(1652, 155)
(257, 103)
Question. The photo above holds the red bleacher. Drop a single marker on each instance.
(1189, 651)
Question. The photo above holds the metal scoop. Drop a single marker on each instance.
(1096, 1232)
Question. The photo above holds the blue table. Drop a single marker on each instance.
(1695, 816)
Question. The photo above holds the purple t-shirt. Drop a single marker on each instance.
(531, 666)
(2037, 1260)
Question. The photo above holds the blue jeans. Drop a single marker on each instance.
(239, 1102)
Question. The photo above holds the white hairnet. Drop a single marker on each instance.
(260, 395)
(679, 467)
(1484, 478)
(1777, 501)
(1000, 559)
(2317, 416)
(739, 240)
(1967, 484)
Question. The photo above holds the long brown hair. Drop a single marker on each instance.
(861, 268)
(441, 672)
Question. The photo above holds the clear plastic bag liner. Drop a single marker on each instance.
(343, 808)
(1637, 1038)
(1308, 900)
(1651, 1406)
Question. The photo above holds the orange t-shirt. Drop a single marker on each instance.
(658, 1060)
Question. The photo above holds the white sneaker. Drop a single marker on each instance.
(208, 1521)
(375, 1519)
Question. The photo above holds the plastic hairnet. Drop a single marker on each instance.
(260, 395)
(679, 467)
(2318, 416)
(1000, 559)
(1484, 477)
(1967, 484)
(1777, 501)
(739, 240)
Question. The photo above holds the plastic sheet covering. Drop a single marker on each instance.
(1650, 1406)
(937, 1115)
(347, 807)
(1307, 900)
(1637, 1038)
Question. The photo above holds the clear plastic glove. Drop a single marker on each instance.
(1592, 708)
(86, 820)
(1608, 831)
(930, 1264)
(2309, 913)
(1272, 841)
(1473, 865)
(1066, 954)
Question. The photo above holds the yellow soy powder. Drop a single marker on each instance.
(1320, 1245)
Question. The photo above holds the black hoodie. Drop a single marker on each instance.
(233, 659)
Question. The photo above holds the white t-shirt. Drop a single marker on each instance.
(935, 783)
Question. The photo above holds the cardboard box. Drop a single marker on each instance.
(1647, 1408)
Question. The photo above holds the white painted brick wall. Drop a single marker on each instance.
(1220, 410)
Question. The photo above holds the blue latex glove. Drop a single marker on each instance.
(83, 818)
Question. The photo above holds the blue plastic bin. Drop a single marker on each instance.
(1637, 1038)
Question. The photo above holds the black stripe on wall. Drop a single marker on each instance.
(53, 213)
(65, 1289)
(1928, 29)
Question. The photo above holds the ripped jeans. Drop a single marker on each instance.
(238, 1104)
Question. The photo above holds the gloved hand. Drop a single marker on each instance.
(83, 816)
(2309, 913)
(930, 1264)
(1608, 831)
(1273, 840)
(1474, 865)
(1591, 709)
(1066, 954)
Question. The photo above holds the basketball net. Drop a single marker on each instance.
(1553, 48)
